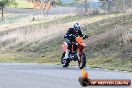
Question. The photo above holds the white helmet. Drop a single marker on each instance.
(76, 26)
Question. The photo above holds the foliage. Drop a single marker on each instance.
(4, 3)
(58, 2)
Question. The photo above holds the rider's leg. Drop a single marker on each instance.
(75, 46)
(66, 54)
(68, 49)
(76, 49)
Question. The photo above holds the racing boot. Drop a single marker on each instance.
(66, 54)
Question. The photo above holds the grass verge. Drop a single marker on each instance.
(112, 63)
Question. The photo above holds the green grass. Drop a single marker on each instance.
(111, 63)
(71, 18)
(12, 17)
(8, 15)
(23, 4)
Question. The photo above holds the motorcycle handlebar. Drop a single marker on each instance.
(71, 35)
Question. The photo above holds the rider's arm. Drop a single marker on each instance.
(69, 32)
(80, 33)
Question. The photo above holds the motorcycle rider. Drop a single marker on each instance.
(70, 36)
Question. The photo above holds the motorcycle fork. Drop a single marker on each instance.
(79, 53)
(72, 47)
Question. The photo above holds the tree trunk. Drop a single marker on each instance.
(2, 13)
(86, 6)
(109, 6)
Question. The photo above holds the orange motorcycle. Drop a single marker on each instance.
(75, 54)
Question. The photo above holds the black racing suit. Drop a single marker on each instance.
(70, 37)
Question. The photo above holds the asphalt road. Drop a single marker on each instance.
(22, 75)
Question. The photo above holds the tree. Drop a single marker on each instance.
(86, 6)
(58, 2)
(116, 5)
(4, 3)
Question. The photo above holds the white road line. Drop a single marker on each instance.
(87, 67)
(96, 68)
(76, 66)
(106, 69)
(124, 71)
(116, 70)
